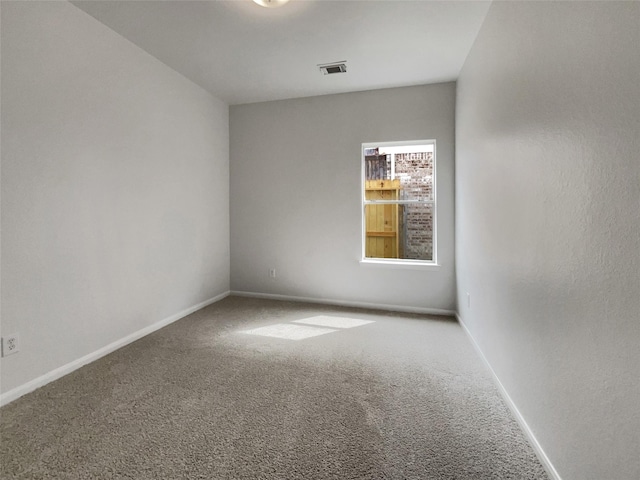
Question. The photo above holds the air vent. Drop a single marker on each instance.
(331, 68)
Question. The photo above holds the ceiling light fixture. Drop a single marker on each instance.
(271, 3)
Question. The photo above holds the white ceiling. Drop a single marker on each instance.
(244, 53)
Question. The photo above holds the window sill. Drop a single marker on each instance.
(401, 264)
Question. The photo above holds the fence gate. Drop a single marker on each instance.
(382, 222)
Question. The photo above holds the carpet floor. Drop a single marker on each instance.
(318, 394)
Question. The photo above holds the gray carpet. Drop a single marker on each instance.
(405, 397)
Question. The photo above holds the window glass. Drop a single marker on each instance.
(399, 201)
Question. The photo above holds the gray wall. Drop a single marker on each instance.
(548, 223)
(295, 195)
(114, 188)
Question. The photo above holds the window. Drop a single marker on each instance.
(399, 202)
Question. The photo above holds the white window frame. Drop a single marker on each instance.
(398, 262)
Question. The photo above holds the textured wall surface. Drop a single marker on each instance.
(296, 194)
(548, 223)
(415, 171)
(114, 188)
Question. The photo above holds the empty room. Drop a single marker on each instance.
(320, 239)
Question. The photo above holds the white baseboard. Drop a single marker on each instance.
(546, 463)
(30, 386)
(344, 303)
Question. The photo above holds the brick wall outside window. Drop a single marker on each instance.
(415, 171)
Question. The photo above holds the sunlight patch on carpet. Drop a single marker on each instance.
(288, 331)
(333, 322)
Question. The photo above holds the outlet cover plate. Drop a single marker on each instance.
(10, 344)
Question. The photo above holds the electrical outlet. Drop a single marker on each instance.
(10, 344)
(272, 273)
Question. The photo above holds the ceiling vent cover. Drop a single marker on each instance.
(331, 68)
